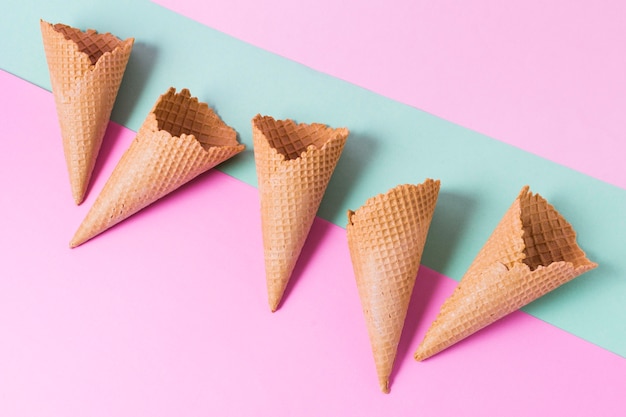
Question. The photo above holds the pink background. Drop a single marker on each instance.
(134, 324)
(547, 77)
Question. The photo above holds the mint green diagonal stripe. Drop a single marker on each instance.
(390, 144)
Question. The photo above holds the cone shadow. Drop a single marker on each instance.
(162, 204)
(487, 336)
(140, 65)
(109, 141)
(358, 150)
(426, 285)
(314, 240)
(450, 222)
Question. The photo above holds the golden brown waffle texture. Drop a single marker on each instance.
(531, 252)
(86, 70)
(294, 163)
(386, 237)
(180, 139)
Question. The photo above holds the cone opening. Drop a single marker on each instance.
(91, 43)
(548, 237)
(427, 193)
(291, 140)
(180, 114)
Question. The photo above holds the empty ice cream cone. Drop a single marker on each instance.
(531, 252)
(86, 70)
(386, 237)
(294, 163)
(180, 139)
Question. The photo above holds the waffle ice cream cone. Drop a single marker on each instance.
(386, 237)
(180, 139)
(531, 252)
(86, 70)
(294, 163)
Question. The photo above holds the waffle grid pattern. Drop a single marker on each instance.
(291, 190)
(291, 139)
(547, 236)
(84, 93)
(89, 42)
(386, 237)
(155, 164)
(179, 113)
(488, 292)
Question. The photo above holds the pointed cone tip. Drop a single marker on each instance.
(78, 199)
(384, 385)
(79, 238)
(274, 303)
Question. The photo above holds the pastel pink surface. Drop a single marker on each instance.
(547, 77)
(166, 314)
